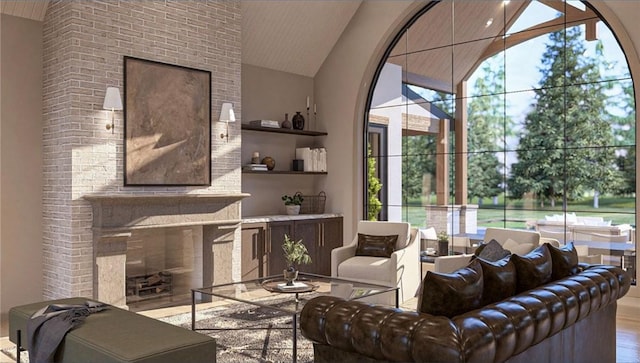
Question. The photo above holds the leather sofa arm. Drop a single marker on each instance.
(509, 327)
(380, 332)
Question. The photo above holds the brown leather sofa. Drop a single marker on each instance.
(572, 319)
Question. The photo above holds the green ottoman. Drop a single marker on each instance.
(117, 335)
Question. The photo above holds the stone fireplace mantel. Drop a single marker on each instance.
(116, 217)
(115, 213)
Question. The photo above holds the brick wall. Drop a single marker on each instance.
(84, 45)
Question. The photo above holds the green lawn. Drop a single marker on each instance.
(514, 214)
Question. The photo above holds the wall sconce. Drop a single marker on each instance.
(227, 115)
(113, 102)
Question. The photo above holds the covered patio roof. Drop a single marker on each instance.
(477, 31)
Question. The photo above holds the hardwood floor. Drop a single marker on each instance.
(627, 340)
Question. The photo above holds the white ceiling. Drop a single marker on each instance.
(290, 36)
(32, 9)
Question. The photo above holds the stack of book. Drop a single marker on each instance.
(256, 167)
(265, 123)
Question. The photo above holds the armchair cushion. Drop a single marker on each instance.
(532, 269)
(491, 251)
(372, 269)
(518, 235)
(452, 294)
(564, 261)
(376, 246)
(518, 248)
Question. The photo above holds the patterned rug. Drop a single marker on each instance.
(248, 334)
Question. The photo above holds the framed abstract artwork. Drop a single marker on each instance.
(167, 134)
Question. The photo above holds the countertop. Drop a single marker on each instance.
(285, 217)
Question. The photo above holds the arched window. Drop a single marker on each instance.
(507, 114)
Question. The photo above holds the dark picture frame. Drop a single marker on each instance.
(167, 124)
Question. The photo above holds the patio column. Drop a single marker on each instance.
(461, 132)
(442, 163)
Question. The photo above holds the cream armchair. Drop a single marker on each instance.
(518, 241)
(402, 269)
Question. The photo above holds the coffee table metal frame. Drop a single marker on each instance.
(312, 280)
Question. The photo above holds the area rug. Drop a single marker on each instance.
(11, 353)
(248, 334)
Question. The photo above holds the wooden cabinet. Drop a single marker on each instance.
(320, 235)
(331, 232)
(274, 255)
(252, 261)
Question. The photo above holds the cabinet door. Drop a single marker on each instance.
(308, 230)
(253, 259)
(330, 238)
(274, 255)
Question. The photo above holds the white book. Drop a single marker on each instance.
(304, 153)
(300, 153)
(265, 123)
(323, 160)
(259, 167)
(315, 156)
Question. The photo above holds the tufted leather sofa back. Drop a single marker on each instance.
(490, 334)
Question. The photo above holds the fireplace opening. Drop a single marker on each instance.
(162, 266)
(149, 286)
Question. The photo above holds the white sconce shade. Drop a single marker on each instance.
(113, 102)
(227, 115)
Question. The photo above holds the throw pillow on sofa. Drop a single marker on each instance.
(491, 251)
(452, 294)
(532, 269)
(564, 261)
(376, 246)
(499, 280)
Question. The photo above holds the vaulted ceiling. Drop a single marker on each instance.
(289, 36)
(292, 36)
(297, 36)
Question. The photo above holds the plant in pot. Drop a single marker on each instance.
(292, 203)
(295, 253)
(443, 243)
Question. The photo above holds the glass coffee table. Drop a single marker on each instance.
(261, 292)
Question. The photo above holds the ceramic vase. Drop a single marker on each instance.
(286, 124)
(290, 275)
(292, 209)
(298, 121)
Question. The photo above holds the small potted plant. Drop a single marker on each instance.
(292, 203)
(295, 253)
(443, 243)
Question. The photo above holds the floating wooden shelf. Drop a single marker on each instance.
(283, 131)
(284, 172)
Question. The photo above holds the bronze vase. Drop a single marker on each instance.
(298, 121)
